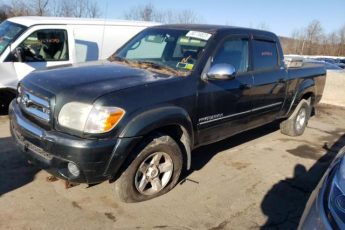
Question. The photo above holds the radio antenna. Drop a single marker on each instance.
(104, 24)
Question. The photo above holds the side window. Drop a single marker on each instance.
(148, 47)
(234, 52)
(265, 55)
(86, 50)
(46, 45)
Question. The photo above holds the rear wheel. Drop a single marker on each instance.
(297, 122)
(154, 171)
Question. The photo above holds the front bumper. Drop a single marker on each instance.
(97, 159)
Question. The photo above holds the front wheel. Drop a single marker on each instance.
(154, 171)
(297, 122)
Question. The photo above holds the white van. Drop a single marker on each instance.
(31, 43)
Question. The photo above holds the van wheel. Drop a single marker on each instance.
(154, 171)
(297, 122)
(5, 100)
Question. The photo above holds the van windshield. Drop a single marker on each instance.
(171, 50)
(9, 31)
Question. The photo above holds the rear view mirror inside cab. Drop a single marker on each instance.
(155, 38)
(187, 41)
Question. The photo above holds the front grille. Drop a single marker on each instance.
(30, 146)
(34, 105)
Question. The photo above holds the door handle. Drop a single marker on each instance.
(245, 86)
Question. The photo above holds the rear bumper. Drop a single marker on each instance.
(97, 159)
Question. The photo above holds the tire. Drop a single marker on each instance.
(5, 100)
(154, 171)
(297, 122)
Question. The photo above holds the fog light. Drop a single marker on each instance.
(73, 169)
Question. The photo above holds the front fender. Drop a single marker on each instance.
(153, 119)
(157, 118)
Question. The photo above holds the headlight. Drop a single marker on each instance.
(103, 119)
(336, 199)
(88, 118)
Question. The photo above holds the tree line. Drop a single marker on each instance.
(90, 9)
(58, 8)
(312, 40)
(148, 12)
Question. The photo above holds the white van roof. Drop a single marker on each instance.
(35, 20)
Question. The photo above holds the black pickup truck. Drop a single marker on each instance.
(136, 117)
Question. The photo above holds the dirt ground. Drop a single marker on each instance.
(258, 179)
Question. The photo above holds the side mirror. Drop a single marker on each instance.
(19, 54)
(221, 72)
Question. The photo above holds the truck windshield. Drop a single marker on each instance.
(9, 31)
(171, 50)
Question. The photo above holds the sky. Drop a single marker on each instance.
(278, 16)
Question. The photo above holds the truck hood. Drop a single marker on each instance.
(87, 82)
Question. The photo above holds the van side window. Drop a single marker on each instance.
(234, 52)
(46, 45)
(86, 50)
(265, 55)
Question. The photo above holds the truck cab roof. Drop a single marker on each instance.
(219, 28)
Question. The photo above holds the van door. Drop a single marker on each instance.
(42, 47)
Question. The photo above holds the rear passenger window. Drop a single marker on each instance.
(234, 52)
(265, 55)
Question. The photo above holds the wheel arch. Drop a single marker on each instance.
(171, 120)
(8, 91)
(305, 91)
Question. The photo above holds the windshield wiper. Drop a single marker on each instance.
(144, 64)
(155, 65)
(119, 59)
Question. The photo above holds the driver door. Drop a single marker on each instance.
(41, 47)
(225, 104)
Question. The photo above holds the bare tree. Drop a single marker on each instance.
(187, 17)
(331, 44)
(149, 13)
(19, 8)
(62, 8)
(4, 12)
(76, 8)
(263, 26)
(313, 33)
(93, 10)
(299, 41)
(342, 41)
(312, 40)
(40, 7)
(24, 8)
(142, 13)
(65, 8)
